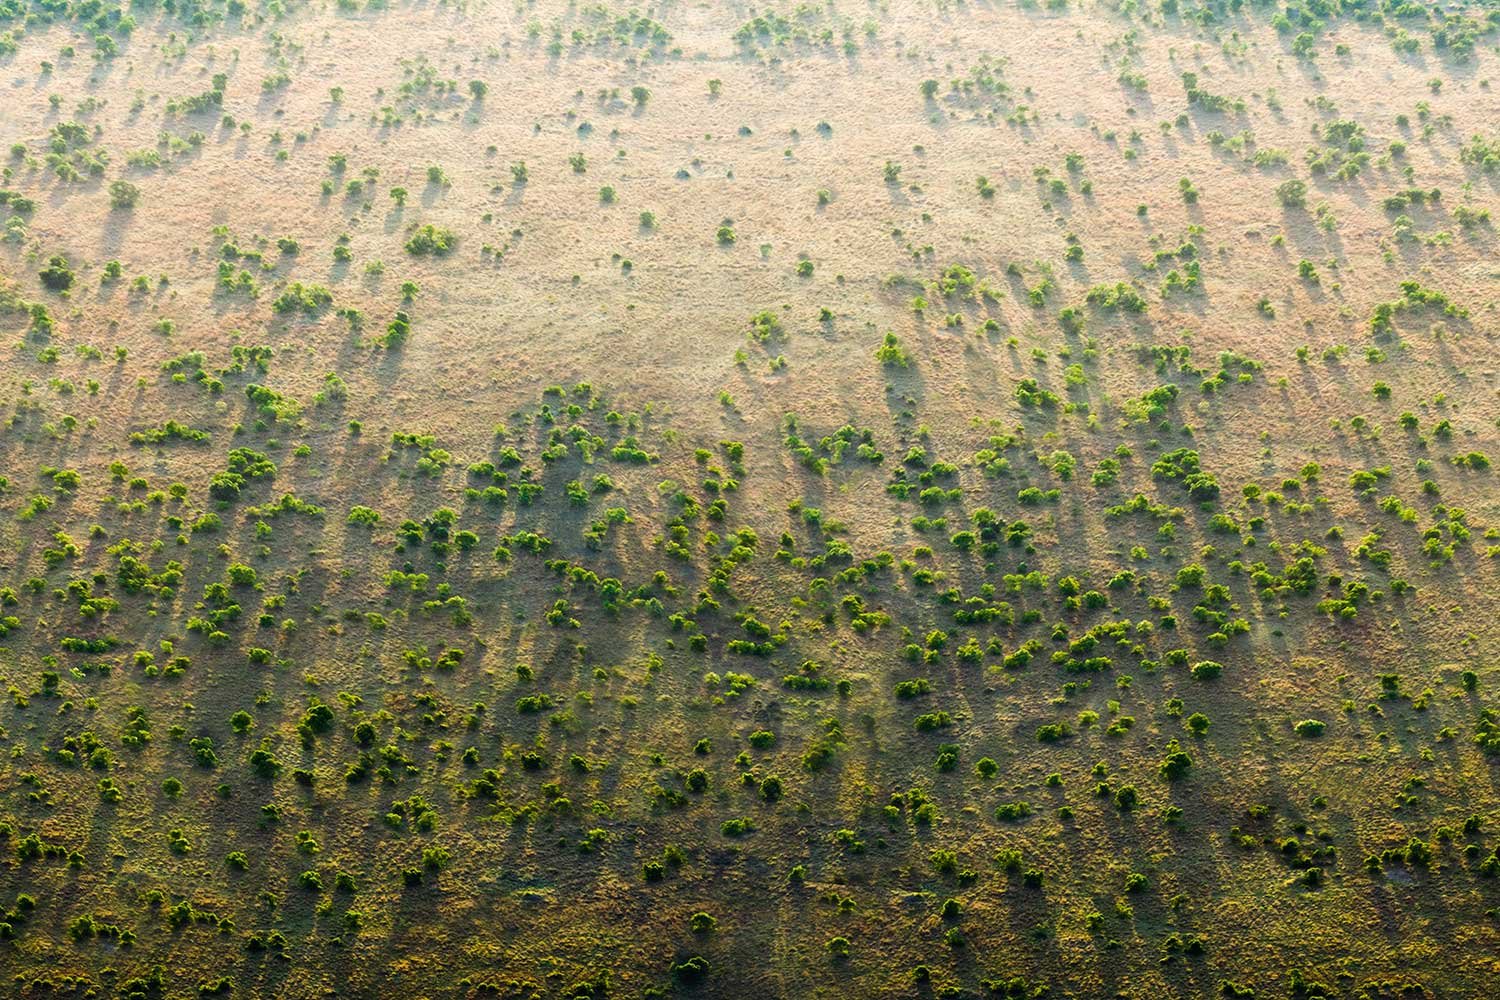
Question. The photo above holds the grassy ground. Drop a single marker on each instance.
(557, 500)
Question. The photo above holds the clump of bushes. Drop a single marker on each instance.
(57, 276)
(430, 240)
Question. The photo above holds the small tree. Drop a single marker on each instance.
(891, 354)
(123, 194)
(57, 275)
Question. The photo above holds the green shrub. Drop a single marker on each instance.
(891, 353)
(431, 240)
(932, 721)
(123, 194)
(1292, 193)
(1012, 812)
(1206, 670)
(691, 970)
(57, 276)
(1176, 764)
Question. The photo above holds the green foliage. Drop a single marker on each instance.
(430, 240)
(123, 194)
(584, 636)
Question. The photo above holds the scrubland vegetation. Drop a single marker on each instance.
(913, 498)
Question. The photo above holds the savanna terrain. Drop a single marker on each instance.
(910, 498)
